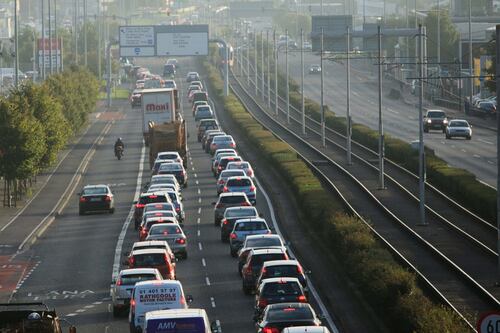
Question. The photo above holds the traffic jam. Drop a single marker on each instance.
(147, 289)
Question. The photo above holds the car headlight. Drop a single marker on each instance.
(445, 121)
(429, 121)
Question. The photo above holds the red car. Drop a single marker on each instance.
(153, 258)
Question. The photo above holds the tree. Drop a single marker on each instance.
(449, 36)
(492, 70)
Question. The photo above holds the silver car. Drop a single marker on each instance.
(458, 128)
(173, 234)
(122, 288)
(224, 175)
(226, 200)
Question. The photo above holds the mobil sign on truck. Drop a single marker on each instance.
(159, 106)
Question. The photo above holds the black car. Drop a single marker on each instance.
(435, 120)
(282, 268)
(276, 317)
(176, 169)
(144, 199)
(169, 70)
(96, 198)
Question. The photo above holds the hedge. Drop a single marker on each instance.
(390, 289)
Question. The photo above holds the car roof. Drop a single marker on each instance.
(281, 263)
(241, 207)
(157, 225)
(131, 271)
(96, 186)
(161, 218)
(276, 250)
(168, 152)
(289, 305)
(231, 194)
(158, 283)
(263, 236)
(239, 177)
(280, 279)
(149, 251)
(146, 194)
(175, 313)
(150, 243)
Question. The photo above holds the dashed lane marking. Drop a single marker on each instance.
(207, 280)
(199, 210)
(200, 246)
(199, 191)
(485, 141)
(477, 156)
(199, 232)
(195, 175)
(199, 200)
(198, 220)
(197, 182)
(212, 300)
(203, 262)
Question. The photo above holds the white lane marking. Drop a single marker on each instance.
(322, 306)
(199, 210)
(203, 262)
(198, 219)
(200, 246)
(192, 168)
(123, 232)
(89, 306)
(195, 175)
(80, 310)
(463, 150)
(219, 328)
(207, 280)
(199, 200)
(197, 182)
(199, 232)
(477, 156)
(491, 162)
(392, 111)
(106, 329)
(46, 182)
(212, 300)
(36, 298)
(199, 191)
(97, 303)
(29, 294)
(71, 315)
(485, 141)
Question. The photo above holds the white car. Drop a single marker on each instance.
(458, 128)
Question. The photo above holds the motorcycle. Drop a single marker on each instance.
(119, 152)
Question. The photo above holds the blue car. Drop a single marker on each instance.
(242, 184)
(243, 228)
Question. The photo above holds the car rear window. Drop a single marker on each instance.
(223, 139)
(263, 242)
(165, 230)
(173, 196)
(232, 173)
(159, 246)
(233, 199)
(203, 108)
(167, 156)
(459, 124)
(282, 270)
(95, 190)
(152, 199)
(259, 259)
(302, 313)
(170, 167)
(225, 161)
(281, 288)
(149, 259)
(239, 182)
(168, 213)
(131, 279)
(250, 226)
(158, 206)
(240, 212)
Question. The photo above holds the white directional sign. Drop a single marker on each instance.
(182, 43)
(133, 36)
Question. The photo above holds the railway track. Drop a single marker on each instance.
(454, 255)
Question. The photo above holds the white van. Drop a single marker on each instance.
(154, 295)
(306, 329)
(178, 321)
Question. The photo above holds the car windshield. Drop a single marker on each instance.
(149, 259)
(158, 206)
(258, 260)
(203, 108)
(232, 173)
(167, 156)
(131, 279)
(223, 138)
(284, 270)
(435, 114)
(459, 124)
(204, 111)
(250, 226)
(239, 182)
(291, 313)
(152, 198)
(234, 199)
(281, 289)
(156, 246)
(263, 242)
(165, 230)
(238, 166)
(240, 212)
(166, 213)
(225, 161)
(94, 190)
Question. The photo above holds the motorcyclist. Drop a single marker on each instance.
(119, 143)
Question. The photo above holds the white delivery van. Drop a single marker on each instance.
(306, 329)
(178, 321)
(154, 295)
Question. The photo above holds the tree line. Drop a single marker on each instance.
(36, 122)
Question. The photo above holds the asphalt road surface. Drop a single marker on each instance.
(71, 265)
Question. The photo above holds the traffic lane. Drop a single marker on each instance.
(76, 255)
(400, 120)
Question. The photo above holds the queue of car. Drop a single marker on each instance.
(277, 281)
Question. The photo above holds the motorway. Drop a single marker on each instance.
(70, 267)
(399, 118)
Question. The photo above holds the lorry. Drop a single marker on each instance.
(168, 137)
(30, 317)
(159, 106)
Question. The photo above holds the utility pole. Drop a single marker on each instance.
(42, 65)
(226, 70)
(268, 72)
(323, 140)
(58, 47)
(380, 123)
(16, 46)
(421, 164)
(75, 29)
(348, 109)
(471, 60)
(302, 104)
(255, 69)
(85, 33)
(287, 80)
(108, 55)
(50, 39)
(276, 109)
(99, 46)
(497, 60)
(248, 58)
(438, 35)
(262, 65)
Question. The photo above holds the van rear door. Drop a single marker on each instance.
(176, 325)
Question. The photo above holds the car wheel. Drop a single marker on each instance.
(116, 311)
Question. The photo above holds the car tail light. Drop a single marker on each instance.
(269, 232)
(262, 303)
(177, 209)
(131, 261)
(252, 188)
(153, 196)
(107, 198)
(300, 270)
(270, 330)
(83, 199)
(232, 145)
(144, 231)
(158, 214)
(264, 271)
(220, 205)
(219, 167)
(139, 205)
(221, 181)
(301, 299)
(249, 173)
(248, 270)
(180, 241)
(183, 300)
(246, 204)
(224, 222)
(225, 189)
(233, 236)
(167, 260)
(119, 282)
(132, 303)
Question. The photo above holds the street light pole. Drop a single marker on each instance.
(248, 58)
(58, 47)
(75, 29)
(421, 171)
(255, 64)
(380, 123)
(323, 140)
(497, 60)
(268, 72)
(438, 34)
(50, 38)
(262, 65)
(348, 109)
(287, 80)
(16, 46)
(276, 110)
(42, 65)
(471, 60)
(99, 46)
(85, 33)
(302, 104)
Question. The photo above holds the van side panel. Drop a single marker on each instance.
(176, 325)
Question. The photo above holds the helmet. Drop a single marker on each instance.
(34, 316)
